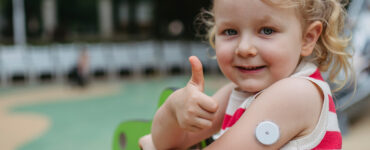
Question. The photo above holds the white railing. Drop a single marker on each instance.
(57, 60)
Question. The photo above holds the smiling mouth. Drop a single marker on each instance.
(254, 68)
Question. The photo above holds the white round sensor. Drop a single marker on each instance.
(267, 132)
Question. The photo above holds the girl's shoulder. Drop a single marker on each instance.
(301, 95)
(298, 96)
(295, 90)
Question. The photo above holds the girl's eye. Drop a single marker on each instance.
(230, 32)
(267, 31)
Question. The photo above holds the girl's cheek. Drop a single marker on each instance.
(224, 45)
(224, 53)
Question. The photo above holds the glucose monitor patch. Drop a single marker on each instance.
(267, 132)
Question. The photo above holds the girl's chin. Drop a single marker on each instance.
(250, 89)
(250, 85)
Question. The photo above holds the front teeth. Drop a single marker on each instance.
(251, 68)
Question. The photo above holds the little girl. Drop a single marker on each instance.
(273, 52)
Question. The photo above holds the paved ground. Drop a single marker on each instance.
(60, 117)
(18, 128)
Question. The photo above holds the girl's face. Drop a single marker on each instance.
(256, 44)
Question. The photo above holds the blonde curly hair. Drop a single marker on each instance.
(330, 51)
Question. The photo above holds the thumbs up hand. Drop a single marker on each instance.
(193, 109)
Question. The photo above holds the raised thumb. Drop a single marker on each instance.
(197, 77)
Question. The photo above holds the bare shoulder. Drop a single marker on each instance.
(301, 94)
(297, 92)
(296, 95)
(294, 99)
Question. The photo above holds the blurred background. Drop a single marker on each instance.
(72, 70)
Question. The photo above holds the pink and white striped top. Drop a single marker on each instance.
(326, 134)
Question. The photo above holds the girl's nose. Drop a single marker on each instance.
(246, 49)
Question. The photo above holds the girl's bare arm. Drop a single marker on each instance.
(293, 104)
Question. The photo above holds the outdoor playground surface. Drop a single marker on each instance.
(59, 117)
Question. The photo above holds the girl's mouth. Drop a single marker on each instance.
(251, 69)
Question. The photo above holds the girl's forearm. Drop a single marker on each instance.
(166, 132)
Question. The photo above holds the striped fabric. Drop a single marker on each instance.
(326, 134)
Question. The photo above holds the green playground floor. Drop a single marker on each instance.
(89, 123)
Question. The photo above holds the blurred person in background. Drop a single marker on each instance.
(79, 75)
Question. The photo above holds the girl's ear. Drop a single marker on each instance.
(310, 37)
